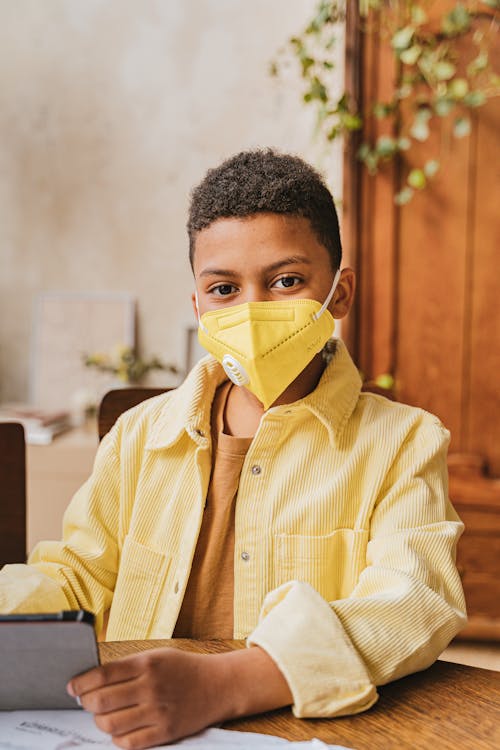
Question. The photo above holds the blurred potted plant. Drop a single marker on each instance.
(126, 365)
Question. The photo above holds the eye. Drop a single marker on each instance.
(287, 282)
(223, 290)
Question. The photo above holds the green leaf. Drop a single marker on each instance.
(420, 128)
(478, 36)
(478, 64)
(492, 3)
(431, 168)
(443, 70)
(456, 21)
(403, 144)
(443, 106)
(368, 157)
(371, 163)
(381, 110)
(495, 81)
(363, 151)
(426, 64)
(342, 103)
(365, 5)
(424, 114)
(321, 112)
(402, 38)
(404, 196)
(475, 98)
(351, 122)
(411, 55)
(333, 133)
(384, 381)
(461, 127)
(306, 62)
(417, 179)
(458, 88)
(418, 15)
(323, 16)
(317, 91)
(330, 42)
(420, 131)
(405, 90)
(385, 146)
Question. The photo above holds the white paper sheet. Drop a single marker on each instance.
(75, 730)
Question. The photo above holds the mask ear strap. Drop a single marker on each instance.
(203, 328)
(330, 295)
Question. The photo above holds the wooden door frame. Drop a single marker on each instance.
(370, 67)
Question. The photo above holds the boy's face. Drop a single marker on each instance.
(265, 257)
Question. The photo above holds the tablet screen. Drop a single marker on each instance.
(39, 654)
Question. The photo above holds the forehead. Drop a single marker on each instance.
(260, 239)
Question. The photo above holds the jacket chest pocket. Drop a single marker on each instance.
(141, 578)
(331, 563)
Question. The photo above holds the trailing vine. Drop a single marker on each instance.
(434, 82)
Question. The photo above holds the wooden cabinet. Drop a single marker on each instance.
(476, 499)
(428, 301)
(54, 473)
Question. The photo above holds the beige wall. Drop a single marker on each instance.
(110, 111)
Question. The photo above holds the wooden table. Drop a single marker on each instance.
(447, 707)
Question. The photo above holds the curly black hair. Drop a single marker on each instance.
(261, 181)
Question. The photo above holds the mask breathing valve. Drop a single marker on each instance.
(234, 370)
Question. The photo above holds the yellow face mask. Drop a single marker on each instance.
(264, 346)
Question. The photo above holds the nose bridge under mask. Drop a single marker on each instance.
(255, 312)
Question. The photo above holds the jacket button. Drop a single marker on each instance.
(245, 556)
(256, 469)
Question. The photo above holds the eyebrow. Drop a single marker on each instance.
(292, 260)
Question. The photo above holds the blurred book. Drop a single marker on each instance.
(40, 425)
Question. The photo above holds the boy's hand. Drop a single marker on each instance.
(161, 695)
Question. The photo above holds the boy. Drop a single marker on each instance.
(266, 498)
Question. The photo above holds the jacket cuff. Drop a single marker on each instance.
(25, 590)
(304, 637)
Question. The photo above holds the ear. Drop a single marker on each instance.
(195, 308)
(344, 294)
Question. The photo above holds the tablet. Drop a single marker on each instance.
(40, 653)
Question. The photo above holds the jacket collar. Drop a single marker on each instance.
(337, 393)
(188, 407)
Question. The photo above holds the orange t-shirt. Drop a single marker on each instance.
(207, 608)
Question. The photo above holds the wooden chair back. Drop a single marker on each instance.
(119, 400)
(12, 493)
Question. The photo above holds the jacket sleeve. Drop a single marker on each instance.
(79, 571)
(407, 604)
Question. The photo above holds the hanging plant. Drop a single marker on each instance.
(434, 82)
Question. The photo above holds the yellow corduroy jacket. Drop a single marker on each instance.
(344, 563)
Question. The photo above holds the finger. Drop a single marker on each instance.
(125, 721)
(111, 697)
(108, 674)
(142, 738)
